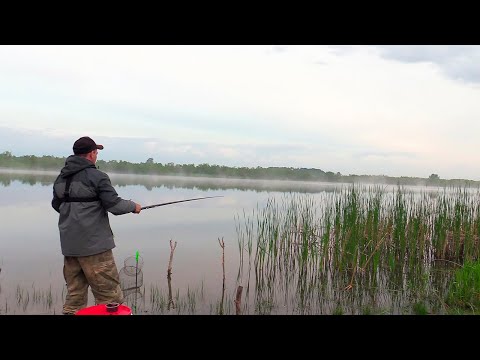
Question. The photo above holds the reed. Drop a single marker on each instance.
(363, 240)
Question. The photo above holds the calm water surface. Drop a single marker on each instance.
(31, 280)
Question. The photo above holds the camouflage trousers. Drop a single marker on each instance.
(97, 271)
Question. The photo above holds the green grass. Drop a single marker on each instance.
(419, 308)
(464, 291)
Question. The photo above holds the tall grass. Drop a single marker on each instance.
(465, 288)
(358, 247)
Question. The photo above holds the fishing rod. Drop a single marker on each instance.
(178, 201)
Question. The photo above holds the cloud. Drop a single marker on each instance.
(387, 155)
(280, 49)
(459, 62)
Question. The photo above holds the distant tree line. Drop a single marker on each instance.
(150, 167)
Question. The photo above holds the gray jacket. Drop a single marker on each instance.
(83, 222)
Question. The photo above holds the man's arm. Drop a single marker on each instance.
(56, 203)
(56, 200)
(110, 199)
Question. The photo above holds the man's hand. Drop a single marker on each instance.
(138, 208)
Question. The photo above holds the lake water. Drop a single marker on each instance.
(31, 280)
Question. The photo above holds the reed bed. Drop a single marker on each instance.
(189, 303)
(359, 247)
(27, 298)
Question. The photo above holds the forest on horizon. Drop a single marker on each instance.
(150, 167)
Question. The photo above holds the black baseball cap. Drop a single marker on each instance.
(84, 145)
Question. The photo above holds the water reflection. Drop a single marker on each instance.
(151, 182)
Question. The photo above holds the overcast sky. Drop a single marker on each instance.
(376, 110)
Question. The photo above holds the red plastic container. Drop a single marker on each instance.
(105, 309)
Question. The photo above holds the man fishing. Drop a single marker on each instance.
(83, 196)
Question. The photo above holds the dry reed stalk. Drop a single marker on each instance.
(376, 249)
(448, 251)
(172, 249)
(171, 304)
(238, 300)
(222, 245)
(350, 286)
